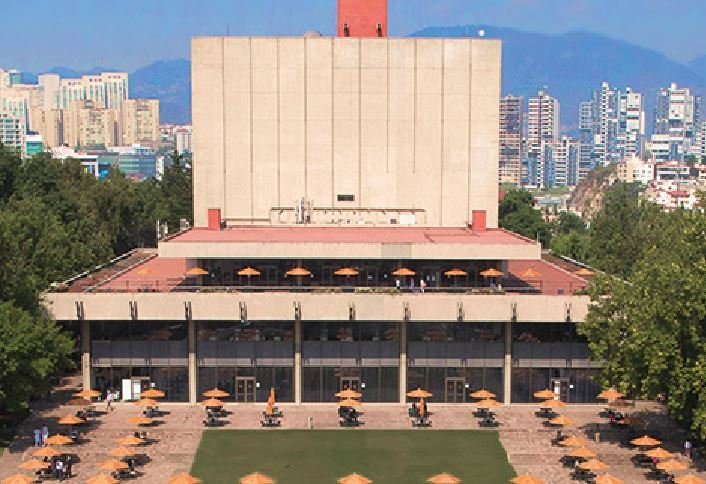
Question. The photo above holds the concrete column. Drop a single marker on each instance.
(193, 368)
(507, 363)
(298, 360)
(86, 353)
(403, 360)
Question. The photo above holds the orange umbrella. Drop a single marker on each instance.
(147, 402)
(346, 271)
(121, 452)
(88, 394)
(152, 393)
(130, 440)
(444, 478)
(659, 453)
(256, 478)
(102, 479)
(33, 465)
(184, 479)
(530, 274)
(113, 465)
(78, 402)
(271, 398)
(18, 479)
(348, 394)
(403, 271)
(354, 479)
(270, 409)
(419, 393)
(593, 465)
(422, 407)
(487, 403)
(298, 272)
(689, 479)
(552, 404)
(349, 402)
(46, 452)
(492, 272)
(584, 272)
(145, 271)
(526, 479)
(545, 394)
(455, 272)
(196, 271)
(573, 442)
(608, 479)
(645, 441)
(610, 394)
(483, 394)
(582, 452)
(561, 420)
(140, 421)
(58, 440)
(672, 465)
(212, 402)
(216, 393)
(248, 271)
(70, 420)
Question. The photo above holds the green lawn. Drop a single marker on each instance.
(322, 456)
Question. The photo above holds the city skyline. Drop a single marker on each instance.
(142, 33)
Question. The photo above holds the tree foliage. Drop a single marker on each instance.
(517, 214)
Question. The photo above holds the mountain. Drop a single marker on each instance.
(574, 64)
(170, 82)
(698, 65)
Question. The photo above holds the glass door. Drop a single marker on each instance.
(245, 389)
(561, 388)
(350, 383)
(455, 390)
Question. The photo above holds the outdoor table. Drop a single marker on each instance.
(270, 421)
(546, 413)
(583, 474)
(488, 422)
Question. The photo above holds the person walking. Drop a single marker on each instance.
(37, 437)
(67, 467)
(109, 401)
(687, 448)
(45, 435)
(422, 284)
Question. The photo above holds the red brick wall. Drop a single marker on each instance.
(362, 17)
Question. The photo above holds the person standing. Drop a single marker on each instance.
(59, 468)
(37, 437)
(398, 284)
(109, 401)
(45, 435)
(687, 448)
(67, 467)
(422, 285)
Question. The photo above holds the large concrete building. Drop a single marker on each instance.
(140, 122)
(345, 197)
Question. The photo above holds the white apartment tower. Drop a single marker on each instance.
(511, 133)
(631, 123)
(677, 116)
(543, 126)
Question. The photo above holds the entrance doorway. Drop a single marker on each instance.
(350, 383)
(245, 389)
(560, 386)
(455, 390)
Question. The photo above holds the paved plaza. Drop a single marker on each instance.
(176, 438)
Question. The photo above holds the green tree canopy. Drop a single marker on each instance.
(517, 214)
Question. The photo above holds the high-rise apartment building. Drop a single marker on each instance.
(89, 126)
(587, 133)
(559, 163)
(182, 139)
(140, 122)
(49, 124)
(511, 133)
(107, 90)
(677, 116)
(12, 131)
(631, 124)
(543, 126)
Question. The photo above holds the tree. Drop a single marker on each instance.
(517, 214)
(32, 350)
(176, 192)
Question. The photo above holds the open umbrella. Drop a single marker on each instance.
(298, 272)
(58, 440)
(552, 404)
(403, 271)
(689, 479)
(140, 421)
(212, 402)
(184, 479)
(130, 440)
(216, 393)
(573, 442)
(88, 394)
(584, 272)
(346, 271)
(271, 397)
(78, 402)
(526, 479)
(455, 272)
(349, 402)
(561, 420)
(256, 478)
(659, 453)
(102, 479)
(530, 274)
(46, 452)
(645, 441)
(121, 452)
(671, 465)
(492, 272)
(419, 393)
(113, 465)
(18, 479)
(610, 394)
(70, 420)
(483, 394)
(348, 393)
(545, 394)
(608, 479)
(249, 272)
(487, 403)
(147, 402)
(33, 465)
(145, 271)
(354, 479)
(593, 465)
(582, 452)
(444, 478)
(196, 271)
(152, 393)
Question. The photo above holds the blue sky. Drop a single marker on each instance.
(127, 34)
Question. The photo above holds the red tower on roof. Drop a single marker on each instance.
(362, 18)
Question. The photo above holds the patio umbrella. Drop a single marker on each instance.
(346, 271)
(455, 272)
(689, 479)
(70, 420)
(249, 272)
(140, 421)
(88, 394)
(593, 465)
(184, 479)
(102, 479)
(584, 272)
(271, 397)
(582, 452)
(152, 393)
(573, 442)
(422, 407)
(212, 402)
(530, 274)
(483, 394)
(145, 271)
(33, 465)
(552, 404)
(46, 452)
(608, 479)
(354, 479)
(492, 272)
(215, 393)
(671, 465)
(298, 272)
(270, 409)
(18, 479)
(147, 402)
(545, 394)
(113, 465)
(78, 402)
(349, 402)
(659, 453)
(130, 441)
(419, 393)
(403, 271)
(487, 403)
(645, 441)
(57, 440)
(444, 478)
(196, 271)
(561, 420)
(256, 478)
(610, 394)
(526, 479)
(121, 452)
(348, 394)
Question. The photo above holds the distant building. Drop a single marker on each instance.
(182, 137)
(34, 145)
(49, 124)
(559, 163)
(12, 131)
(677, 117)
(108, 90)
(631, 123)
(89, 126)
(543, 126)
(140, 123)
(511, 133)
(135, 162)
(635, 170)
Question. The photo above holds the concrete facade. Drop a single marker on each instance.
(346, 123)
(140, 123)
